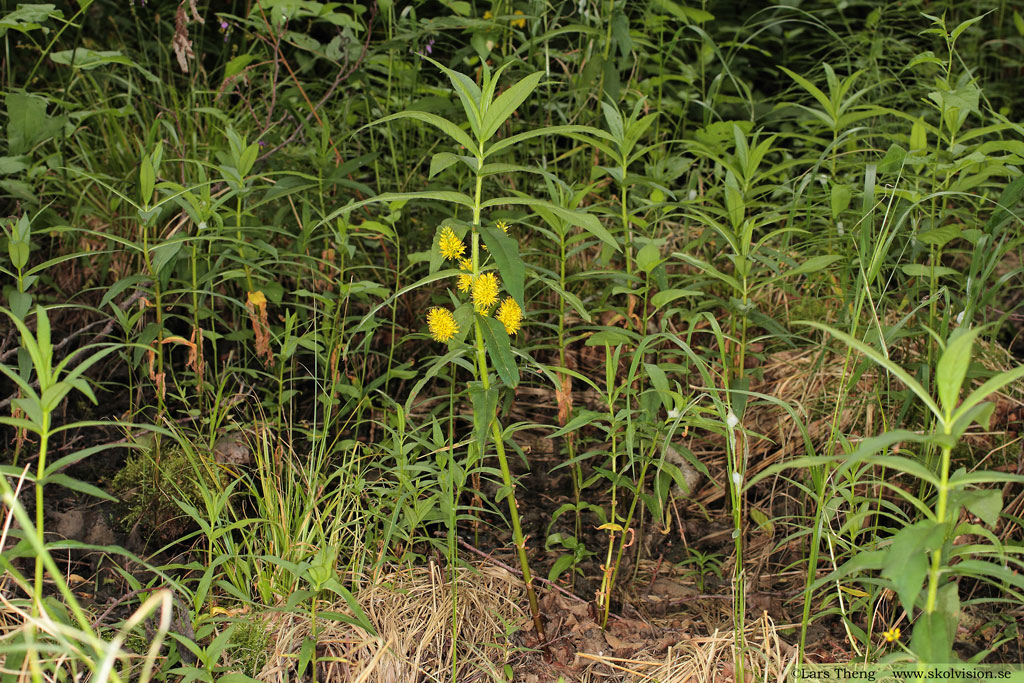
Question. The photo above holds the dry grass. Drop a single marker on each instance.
(411, 609)
(412, 612)
(710, 659)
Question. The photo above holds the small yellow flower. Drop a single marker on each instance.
(441, 324)
(465, 264)
(519, 23)
(256, 299)
(465, 282)
(500, 225)
(451, 246)
(510, 315)
(485, 291)
(892, 635)
(487, 14)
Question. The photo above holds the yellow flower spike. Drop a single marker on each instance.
(466, 264)
(519, 23)
(441, 324)
(892, 635)
(465, 282)
(485, 292)
(510, 315)
(451, 247)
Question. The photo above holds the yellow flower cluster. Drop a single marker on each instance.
(465, 280)
(441, 324)
(510, 315)
(892, 635)
(450, 245)
(483, 290)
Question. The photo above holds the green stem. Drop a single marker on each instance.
(241, 240)
(744, 323)
(158, 309)
(626, 527)
(496, 431)
(940, 515)
(506, 478)
(453, 499)
(608, 32)
(312, 628)
(44, 438)
(577, 468)
(625, 225)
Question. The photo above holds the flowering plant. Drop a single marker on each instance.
(491, 318)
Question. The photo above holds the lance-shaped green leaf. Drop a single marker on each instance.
(551, 130)
(440, 162)
(147, 179)
(29, 18)
(438, 195)
(734, 202)
(813, 265)
(470, 95)
(987, 389)
(83, 58)
(444, 125)
(709, 269)
(505, 251)
(634, 132)
(1008, 199)
(952, 367)
(815, 92)
(614, 120)
(485, 407)
(587, 221)
(492, 169)
(876, 355)
(499, 350)
(369, 320)
(437, 366)
(906, 563)
(499, 110)
(934, 632)
(570, 298)
(488, 84)
(981, 414)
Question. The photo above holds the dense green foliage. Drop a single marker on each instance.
(236, 217)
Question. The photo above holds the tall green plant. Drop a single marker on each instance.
(49, 630)
(920, 560)
(490, 348)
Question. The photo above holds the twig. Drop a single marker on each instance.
(124, 598)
